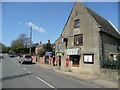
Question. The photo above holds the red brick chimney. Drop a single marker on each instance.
(40, 43)
(48, 41)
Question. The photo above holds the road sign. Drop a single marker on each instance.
(48, 53)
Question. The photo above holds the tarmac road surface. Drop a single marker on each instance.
(16, 75)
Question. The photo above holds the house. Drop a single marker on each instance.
(86, 39)
(39, 46)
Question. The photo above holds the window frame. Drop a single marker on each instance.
(80, 44)
(88, 61)
(76, 23)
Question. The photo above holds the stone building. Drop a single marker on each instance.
(86, 39)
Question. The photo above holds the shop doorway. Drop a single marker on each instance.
(75, 60)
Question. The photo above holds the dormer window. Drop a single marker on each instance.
(76, 23)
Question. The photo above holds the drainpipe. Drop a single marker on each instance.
(102, 48)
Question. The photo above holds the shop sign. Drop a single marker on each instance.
(88, 58)
(75, 51)
(59, 54)
(48, 53)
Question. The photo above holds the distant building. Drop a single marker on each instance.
(40, 45)
(87, 38)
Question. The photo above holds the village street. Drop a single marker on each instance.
(15, 75)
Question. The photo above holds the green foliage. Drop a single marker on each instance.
(41, 53)
(21, 41)
(118, 57)
(19, 45)
(46, 48)
(3, 48)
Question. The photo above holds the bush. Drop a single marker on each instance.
(118, 57)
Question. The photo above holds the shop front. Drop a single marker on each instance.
(74, 56)
(75, 60)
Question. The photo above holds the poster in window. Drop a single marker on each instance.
(88, 58)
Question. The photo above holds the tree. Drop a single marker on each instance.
(3, 48)
(21, 41)
(41, 53)
(46, 48)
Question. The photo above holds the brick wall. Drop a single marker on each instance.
(42, 59)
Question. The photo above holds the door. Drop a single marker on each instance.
(75, 60)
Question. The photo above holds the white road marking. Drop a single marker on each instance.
(29, 72)
(25, 69)
(38, 77)
(45, 82)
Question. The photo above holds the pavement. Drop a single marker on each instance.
(98, 80)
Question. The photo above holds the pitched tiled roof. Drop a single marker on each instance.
(106, 27)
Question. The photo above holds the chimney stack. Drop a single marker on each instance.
(40, 43)
(48, 41)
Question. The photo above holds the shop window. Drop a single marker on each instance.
(78, 40)
(76, 23)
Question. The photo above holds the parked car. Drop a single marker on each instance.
(25, 58)
(11, 54)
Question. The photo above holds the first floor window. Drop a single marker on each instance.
(76, 23)
(78, 40)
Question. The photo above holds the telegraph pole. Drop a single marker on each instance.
(30, 39)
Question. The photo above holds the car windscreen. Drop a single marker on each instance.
(27, 56)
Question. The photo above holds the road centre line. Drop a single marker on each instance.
(25, 69)
(45, 82)
(37, 77)
(28, 71)
(21, 67)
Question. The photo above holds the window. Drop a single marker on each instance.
(78, 40)
(76, 23)
(113, 56)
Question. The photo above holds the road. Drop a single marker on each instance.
(16, 75)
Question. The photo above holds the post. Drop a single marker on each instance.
(30, 39)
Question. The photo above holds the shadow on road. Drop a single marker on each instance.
(26, 63)
(14, 77)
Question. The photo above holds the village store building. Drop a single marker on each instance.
(87, 38)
